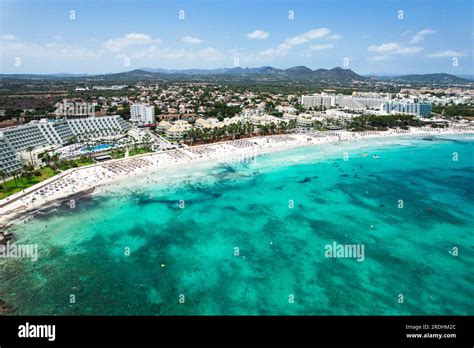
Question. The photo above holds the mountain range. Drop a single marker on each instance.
(335, 75)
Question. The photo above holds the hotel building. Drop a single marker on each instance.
(317, 100)
(178, 129)
(142, 114)
(343, 101)
(44, 133)
(419, 109)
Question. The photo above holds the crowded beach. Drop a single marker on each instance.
(74, 181)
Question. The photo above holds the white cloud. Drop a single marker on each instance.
(446, 53)
(321, 47)
(334, 37)
(119, 44)
(316, 33)
(257, 35)
(296, 40)
(51, 51)
(280, 50)
(309, 35)
(283, 48)
(394, 48)
(142, 54)
(409, 50)
(378, 58)
(191, 40)
(7, 37)
(387, 50)
(420, 36)
(386, 47)
(137, 37)
(155, 52)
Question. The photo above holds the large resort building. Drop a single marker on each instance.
(379, 103)
(343, 101)
(46, 133)
(419, 109)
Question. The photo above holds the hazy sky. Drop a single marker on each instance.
(370, 36)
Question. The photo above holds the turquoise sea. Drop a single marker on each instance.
(183, 225)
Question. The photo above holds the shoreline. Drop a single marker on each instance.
(85, 181)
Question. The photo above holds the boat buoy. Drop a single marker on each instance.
(371, 226)
(162, 265)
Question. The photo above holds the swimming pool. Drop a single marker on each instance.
(96, 148)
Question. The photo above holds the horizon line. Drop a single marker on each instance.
(229, 68)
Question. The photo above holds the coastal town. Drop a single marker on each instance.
(153, 118)
(85, 142)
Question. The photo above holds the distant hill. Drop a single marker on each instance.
(467, 77)
(337, 74)
(440, 78)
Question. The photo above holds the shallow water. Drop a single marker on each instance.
(280, 210)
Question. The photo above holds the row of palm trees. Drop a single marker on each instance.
(51, 160)
(27, 171)
(236, 131)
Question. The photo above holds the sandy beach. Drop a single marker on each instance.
(87, 179)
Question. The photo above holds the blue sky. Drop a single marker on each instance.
(368, 36)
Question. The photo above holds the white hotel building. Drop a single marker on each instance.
(381, 103)
(44, 133)
(142, 114)
(419, 109)
(318, 100)
(343, 101)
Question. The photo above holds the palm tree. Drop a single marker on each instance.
(205, 134)
(148, 141)
(47, 158)
(198, 135)
(30, 150)
(263, 128)
(282, 126)
(240, 129)
(55, 160)
(3, 175)
(221, 132)
(133, 143)
(27, 172)
(292, 124)
(191, 135)
(214, 134)
(185, 136)
(272, 127)
(17, 176)
(250, 128)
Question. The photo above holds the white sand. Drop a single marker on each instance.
(78, 180)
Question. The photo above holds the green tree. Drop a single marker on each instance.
(3, 175)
